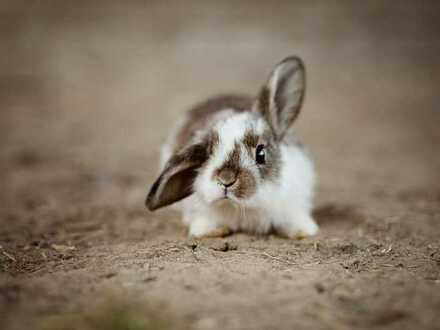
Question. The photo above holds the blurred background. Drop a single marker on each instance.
(98, 84)
(90, 89)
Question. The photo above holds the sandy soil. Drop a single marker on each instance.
(87, 94)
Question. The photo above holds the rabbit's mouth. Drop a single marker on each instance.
(224, 196)
(225, 201)
(236, 193)
(229, 196)
(226, 193)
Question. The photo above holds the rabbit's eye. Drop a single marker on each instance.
(260, 154)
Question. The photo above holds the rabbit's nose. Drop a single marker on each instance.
(227, 177)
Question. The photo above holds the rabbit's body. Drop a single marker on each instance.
(232, 166)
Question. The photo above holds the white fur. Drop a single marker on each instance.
(283, 204)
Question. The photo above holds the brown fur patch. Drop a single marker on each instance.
(250, 140)
(240, 103)
(247, 185)
(213, 142)
(199, 116)
(233, 160)
(271, 168)
(264, 103)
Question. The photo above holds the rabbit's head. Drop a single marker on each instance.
(233, 159)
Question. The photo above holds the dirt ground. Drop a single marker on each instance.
(87, 94)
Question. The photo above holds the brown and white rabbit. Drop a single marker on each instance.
(233, 165)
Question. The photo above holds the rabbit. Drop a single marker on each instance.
(233, 165)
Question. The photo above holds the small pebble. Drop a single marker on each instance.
(224, 247)
(150, 279)
(319, 288)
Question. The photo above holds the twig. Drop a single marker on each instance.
(9, 256)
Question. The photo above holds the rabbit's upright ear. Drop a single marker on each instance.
(176, 180)
(281, 98)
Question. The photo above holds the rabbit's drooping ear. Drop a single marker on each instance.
(176, 180)
(281, 98)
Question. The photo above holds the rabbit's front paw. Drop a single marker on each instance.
(202, 227)
(302, 226)
(217, 232)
